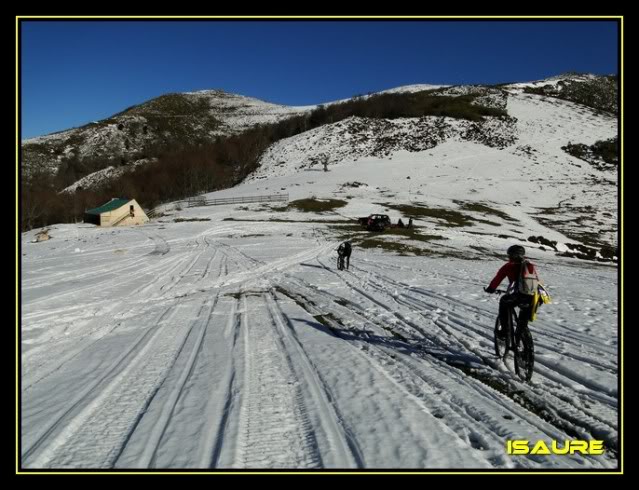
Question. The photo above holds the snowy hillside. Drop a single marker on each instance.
(238, 113)
(192, 119)
(96, 179)
(224, 337)
(516, 164)
(178, 118)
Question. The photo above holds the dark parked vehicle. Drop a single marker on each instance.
(375, 222)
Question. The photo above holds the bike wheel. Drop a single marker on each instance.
(524, 353)
(501, 342)
(340, 263)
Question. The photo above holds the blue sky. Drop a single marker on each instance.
(74, 72)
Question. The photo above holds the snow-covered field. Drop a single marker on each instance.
(225, 337)
(222, 344)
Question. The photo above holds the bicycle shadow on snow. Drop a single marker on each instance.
(406, 346)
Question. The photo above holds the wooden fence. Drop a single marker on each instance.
(202, 201)
(193, 202)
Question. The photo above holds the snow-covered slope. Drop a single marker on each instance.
(97, 179)
(356, 138)
(237, 344)
(173, 118)
(225, 337)
(238, 113)
(419, 87)
(516, 163)
(556, 81)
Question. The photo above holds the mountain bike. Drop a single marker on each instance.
(516, 337)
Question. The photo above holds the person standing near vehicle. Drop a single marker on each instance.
(524, 281)
(344, 251)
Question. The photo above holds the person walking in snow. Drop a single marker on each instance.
(344, 251)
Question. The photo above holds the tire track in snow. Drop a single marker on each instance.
(264, 268)
(586, 421)
(90, 270)
(479, 438)
(50, 357)
(514, 387)
(550, 330)
(95, 436)
(402, 381)
(147, 458)
(462, 321)
(214, 437)
(196, 397)
(125, 279)
(109, 374)
(275, 431)
(345, 449)
(158, 271)
(461, 326)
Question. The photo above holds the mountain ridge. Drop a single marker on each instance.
(537, 137)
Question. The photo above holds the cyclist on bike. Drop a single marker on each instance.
(513, 270)
(344, 251)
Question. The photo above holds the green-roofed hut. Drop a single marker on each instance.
(116, 212)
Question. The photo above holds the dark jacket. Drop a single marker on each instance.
(344, 249)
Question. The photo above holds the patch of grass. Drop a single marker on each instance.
(567, 227)
(599, 93)
(602, 155)
(451, 217)
(576, 229)
(353, 231)
(312, 205)
(280, 220)
(486, 251)
(486, 222)
(404, 249)
(388, 246)
(484, 209)
(543, 241)
(180, 220)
